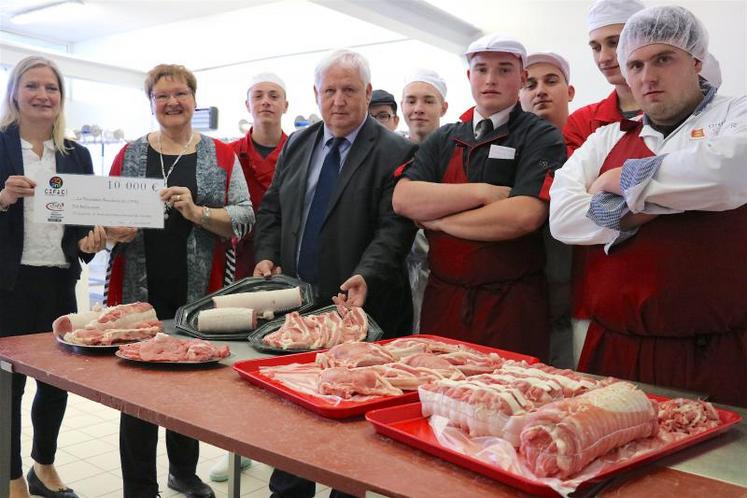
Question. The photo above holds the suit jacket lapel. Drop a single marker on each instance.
(13, 149)
(359, 151)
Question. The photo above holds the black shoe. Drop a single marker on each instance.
(36, 487)
(191, 486)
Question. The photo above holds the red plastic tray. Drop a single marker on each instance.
(406, 423)
(249, 370)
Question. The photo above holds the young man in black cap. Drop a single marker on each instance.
(383, 108)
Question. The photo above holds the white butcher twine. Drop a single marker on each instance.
(276, 300)
(226, 320)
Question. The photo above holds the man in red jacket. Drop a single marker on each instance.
(605, 21)
(258, 151)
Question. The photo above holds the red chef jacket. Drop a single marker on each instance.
(258, 172)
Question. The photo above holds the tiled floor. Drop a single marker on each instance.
(88, 454)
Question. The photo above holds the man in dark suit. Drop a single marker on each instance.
(327, 217)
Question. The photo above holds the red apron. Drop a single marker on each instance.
(258, 172)
(490, 293)
(669, 307)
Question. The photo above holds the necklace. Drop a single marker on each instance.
(166, 205)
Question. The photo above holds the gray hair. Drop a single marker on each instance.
(10, 114)
(345, 58)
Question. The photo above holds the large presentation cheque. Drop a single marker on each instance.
(99, 200)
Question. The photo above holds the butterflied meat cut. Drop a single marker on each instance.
(354, 354)
(563, 437)
(407, 346)
(323, 330)
(167, 348)
(345, 382)
(126, 322)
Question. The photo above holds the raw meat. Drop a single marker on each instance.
(495, 404)
(261, 301)
(473, 363)
(324, 330)
(166, 348)
(407, 346)
(345, 382)
(680, 417)
(354, 354)
(226, 320)
(126, 322)
(561, 438)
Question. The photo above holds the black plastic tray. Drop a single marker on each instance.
(255, 338)
(186, 317)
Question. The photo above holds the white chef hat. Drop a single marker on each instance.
(556, 60)
(267, 78)
(671, 25)
(428, 76)
(711, 70)
(605, 12)
(498, 43)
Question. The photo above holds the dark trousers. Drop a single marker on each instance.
(40, 295)
(285, 485)
(137, 452)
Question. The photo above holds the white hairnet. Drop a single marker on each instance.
(671, 25)
(556, 60)
(711, 71)
(267, 78)
(428, 76)
(606, 12)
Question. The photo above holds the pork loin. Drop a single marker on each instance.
(561, 438)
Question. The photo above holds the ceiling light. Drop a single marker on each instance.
(57, 12)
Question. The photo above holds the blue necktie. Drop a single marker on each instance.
(308, 257)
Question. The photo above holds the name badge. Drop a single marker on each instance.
(501, 152)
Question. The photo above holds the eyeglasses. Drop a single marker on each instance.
(383, 116)
(162, 98)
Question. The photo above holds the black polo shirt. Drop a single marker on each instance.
(536, 145)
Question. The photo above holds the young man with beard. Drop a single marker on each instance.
(660, 201)
(547, 94)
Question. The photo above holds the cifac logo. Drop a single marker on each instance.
(55, 189)
(55, 206)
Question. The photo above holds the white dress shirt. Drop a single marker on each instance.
(42, 243)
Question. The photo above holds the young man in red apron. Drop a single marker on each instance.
(661, 202)
(259, 150)
(476, 186)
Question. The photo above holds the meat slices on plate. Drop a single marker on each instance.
(563, 437)
(323, 330)
(166, 348)
(354, 354)
(126, 322)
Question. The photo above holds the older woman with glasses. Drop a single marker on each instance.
(39, 263)
(206, 205)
